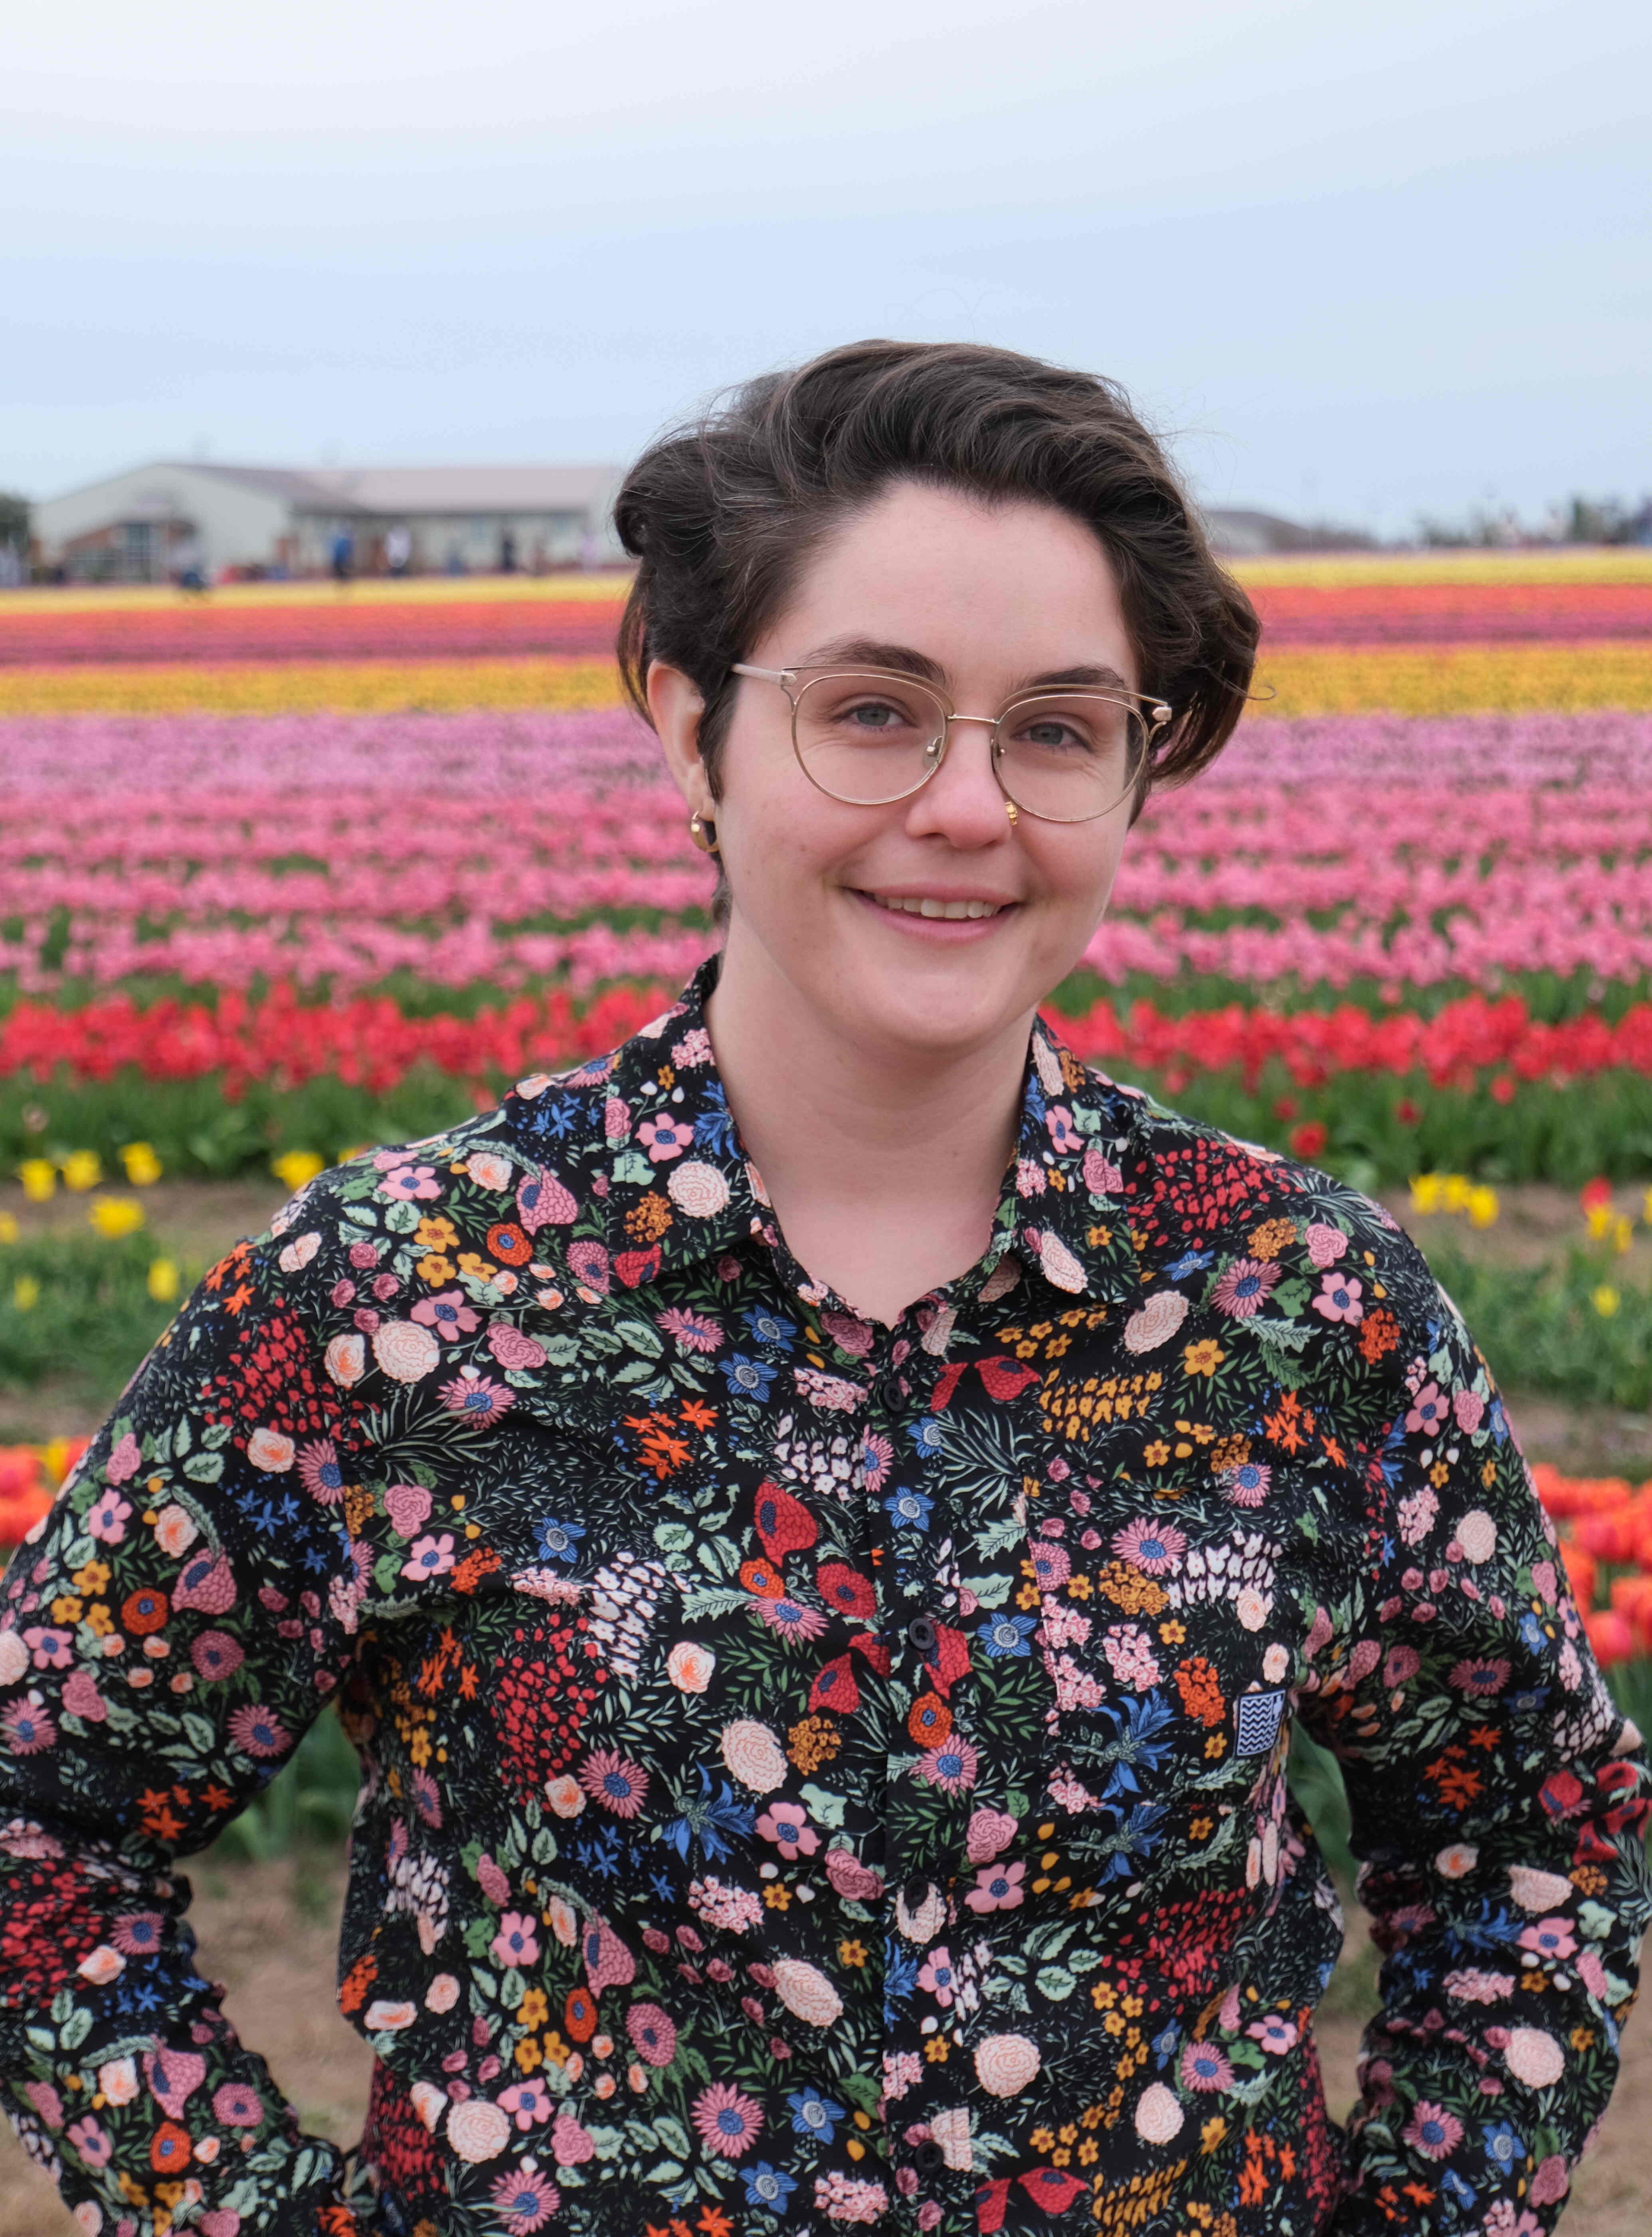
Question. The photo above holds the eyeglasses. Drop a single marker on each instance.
(870, 735)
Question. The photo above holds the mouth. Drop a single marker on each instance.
(970, 909)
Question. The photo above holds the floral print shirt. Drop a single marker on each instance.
(819, 1773)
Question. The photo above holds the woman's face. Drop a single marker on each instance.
(988, 599)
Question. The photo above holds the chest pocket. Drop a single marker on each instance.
(1161, 1638)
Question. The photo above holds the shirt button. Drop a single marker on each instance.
(930, 2157)
(922, 1634)
(917, 1892)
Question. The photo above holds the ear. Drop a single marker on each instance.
(676, 705)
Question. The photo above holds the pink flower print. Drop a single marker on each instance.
(1275, 2033)
(1432, 2131)
(689, 1331)
(877, 1458)
(610, 1780)
(1244, 1288)
(1550, 1938)
(527, 2103)
(477, 1397)
(653, 2034)
(518, 1941)
(91, 2140)
(997, 1887)
(431, 1557)
(1427, 1416)
(109, 1517)
(1101, 1176)
(215, 1655)
(525, 2203)
(411, 1184)
(787, 1825)
(936, 1976)
(82, 1697)
(1339, 1298)
(448, 1313)
(236, 2105)
(1325, 1244)
(991, 1832)
(1468, 1410)
(124, 1461)
(1063, 1135)
(727, 2119)
(588, 1263)
(616, 1119)
(257, 1733)
(1205, 2066)
(953, 1766)
(52, 1649)
(666, 1139)
(1482, 1680)
(407, 1504)
(1402, 1665)
(320, 1473)
(1051, 1565)
(1129, 1656)
(1246, 1485)
(1155, 1549)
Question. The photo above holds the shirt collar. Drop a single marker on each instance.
(668, 1141)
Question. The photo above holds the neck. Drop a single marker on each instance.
(851, 1138)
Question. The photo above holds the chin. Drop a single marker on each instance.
(932, 1010)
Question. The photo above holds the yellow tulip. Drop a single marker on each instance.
(25, 1293)
(1601, 1217)
(55, 1458)
(1455, 1192)
(39, 1178)
(1622, 1233)
(114, 1215)
(1425, 1193)
(1606, 1301)
(81, 1169)
(1483, 1207)
(142, 1167)
(10, 1230)
(296, 1166)
(163, 1280)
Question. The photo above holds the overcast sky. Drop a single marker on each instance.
(1357, 262)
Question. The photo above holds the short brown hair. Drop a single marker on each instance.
(722, 513)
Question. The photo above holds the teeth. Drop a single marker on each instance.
(953, 909)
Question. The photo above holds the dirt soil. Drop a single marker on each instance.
(269, 1931)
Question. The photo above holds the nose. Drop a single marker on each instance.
(963, 803)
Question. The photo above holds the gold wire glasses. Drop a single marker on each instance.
(871, 736)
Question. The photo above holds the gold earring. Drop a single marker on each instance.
(703, 834)
(1014, 811)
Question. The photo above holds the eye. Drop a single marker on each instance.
(875, 714)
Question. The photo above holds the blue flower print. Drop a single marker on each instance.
(770, 1327)
(1503, 2144)
(925, 1435)
(748, 1378)
(1007, 1634)
(767, 2185)
(559, 1541)
(1191, 1261)
(909, 1507)
(815, 2115)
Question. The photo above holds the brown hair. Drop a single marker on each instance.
(722, 514)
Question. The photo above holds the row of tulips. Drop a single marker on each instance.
(553, 848)
(1605, 1528)
(1295, 679)
(192, 629)
(371, 1041)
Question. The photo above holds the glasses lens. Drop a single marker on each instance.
(867, 738)
(1070, 754)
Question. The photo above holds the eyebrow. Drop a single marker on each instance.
(904, 660)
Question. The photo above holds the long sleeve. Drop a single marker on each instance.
(173, 1625)
(1497, 1796)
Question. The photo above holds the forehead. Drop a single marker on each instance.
(973, 582)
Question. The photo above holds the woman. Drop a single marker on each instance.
(820, 1524)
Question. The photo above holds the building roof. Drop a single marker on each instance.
(391, 490)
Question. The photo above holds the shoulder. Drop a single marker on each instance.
(1315, 1270)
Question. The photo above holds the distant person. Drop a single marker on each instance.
(189, 563)
(823, 1521)
(454, 562)
(507, 553)
(343, 555)
(398, 550)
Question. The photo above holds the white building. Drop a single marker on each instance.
(153, 522)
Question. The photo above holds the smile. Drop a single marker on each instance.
(907, 906)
